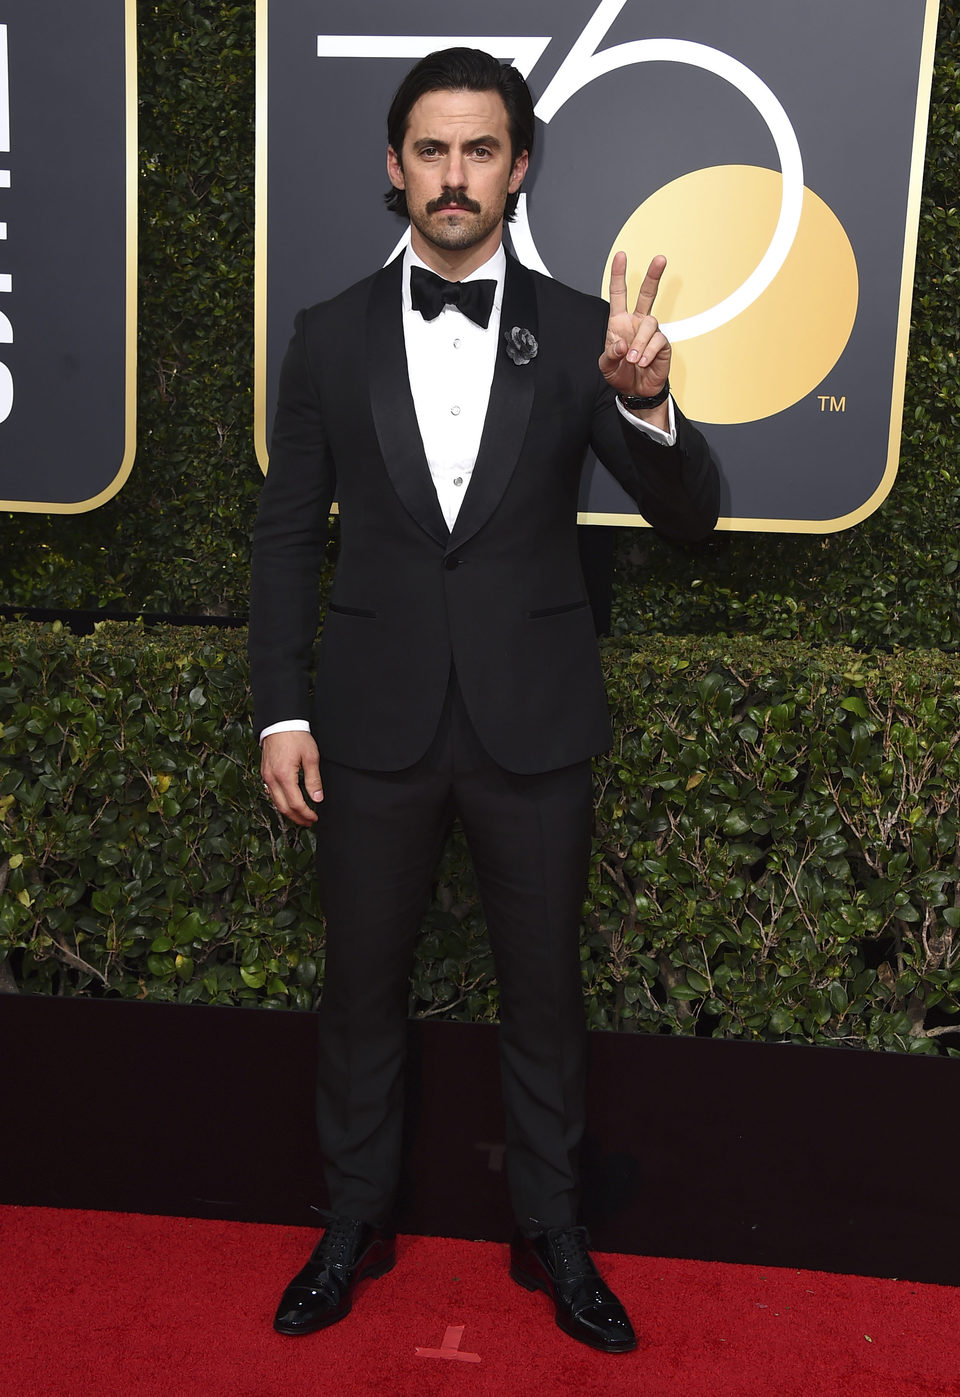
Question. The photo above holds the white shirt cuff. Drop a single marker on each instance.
(291, 725)
(668, 438)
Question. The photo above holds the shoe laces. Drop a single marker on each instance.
(338, 1243)
(569, 1246)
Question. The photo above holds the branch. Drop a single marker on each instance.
(78, 963)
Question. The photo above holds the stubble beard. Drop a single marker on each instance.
(456, 234)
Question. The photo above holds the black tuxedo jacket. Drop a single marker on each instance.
(502, 596)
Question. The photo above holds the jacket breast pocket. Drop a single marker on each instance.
(556, 610)
(351, 611)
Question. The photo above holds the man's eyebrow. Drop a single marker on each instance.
(493, 142)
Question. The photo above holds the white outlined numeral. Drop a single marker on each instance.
(587, 61)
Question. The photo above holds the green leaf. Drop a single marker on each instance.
(855, 705)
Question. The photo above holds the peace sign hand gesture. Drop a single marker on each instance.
(636, 355)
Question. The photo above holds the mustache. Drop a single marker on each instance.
(453, 199)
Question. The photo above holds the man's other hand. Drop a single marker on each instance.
(283, 755)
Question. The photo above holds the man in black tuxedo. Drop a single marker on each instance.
(447, 402)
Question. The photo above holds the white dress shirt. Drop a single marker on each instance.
(450, 364)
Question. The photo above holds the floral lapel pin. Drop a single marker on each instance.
(520, 345)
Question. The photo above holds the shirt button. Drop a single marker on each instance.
(458, 480)
(456, 344)
(455, 411)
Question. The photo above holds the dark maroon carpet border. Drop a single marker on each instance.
(748, 1153)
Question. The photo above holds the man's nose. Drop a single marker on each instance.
(455, 172)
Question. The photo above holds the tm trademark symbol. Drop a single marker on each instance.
(828, 403)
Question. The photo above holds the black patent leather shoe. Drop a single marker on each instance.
(322, 1292)
(558, 1262)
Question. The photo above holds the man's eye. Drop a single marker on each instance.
(482, 151)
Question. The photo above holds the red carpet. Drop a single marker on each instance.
(110, 1303)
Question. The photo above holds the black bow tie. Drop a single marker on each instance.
(430, 293)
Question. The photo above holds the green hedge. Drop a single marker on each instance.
(776, 853)
(176, 537)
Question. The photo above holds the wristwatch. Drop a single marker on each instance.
(632, 401)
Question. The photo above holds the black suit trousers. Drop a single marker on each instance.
(379, 838)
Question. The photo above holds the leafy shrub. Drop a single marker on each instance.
(776, 851)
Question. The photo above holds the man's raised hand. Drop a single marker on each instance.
(636, 355)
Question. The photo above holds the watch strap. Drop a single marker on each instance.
(633, 402)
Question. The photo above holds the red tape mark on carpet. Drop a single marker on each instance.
(450, 1348)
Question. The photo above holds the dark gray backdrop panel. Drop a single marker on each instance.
(65, 210)
(848, 85)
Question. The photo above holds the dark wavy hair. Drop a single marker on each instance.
(462, 70)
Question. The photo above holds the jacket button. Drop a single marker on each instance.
(451, 563)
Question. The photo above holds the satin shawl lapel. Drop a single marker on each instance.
(508, 412)
(391, 402)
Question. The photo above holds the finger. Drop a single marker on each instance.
(618, 284)
(613, 354)
(647, 344)
(312, 782)
(650, 285)
(288, 798)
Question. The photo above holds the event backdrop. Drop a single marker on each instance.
(772, 151)
(67, 251)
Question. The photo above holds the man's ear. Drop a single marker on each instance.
(518, 171)
(394, 169)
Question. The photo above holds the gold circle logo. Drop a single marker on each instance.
(713, 226)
